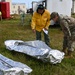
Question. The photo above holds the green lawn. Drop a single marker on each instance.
(12, 30)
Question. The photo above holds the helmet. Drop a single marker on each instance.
(40, 6)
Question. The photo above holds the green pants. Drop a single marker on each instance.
(67, 43)
(46, 37)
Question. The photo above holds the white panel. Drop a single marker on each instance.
(74, 6)
(60, 6)
(35, 6)
(35, 3)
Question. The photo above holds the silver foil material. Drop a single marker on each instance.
(37, 49)
(10, 67)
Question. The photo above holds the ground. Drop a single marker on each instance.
(11, 30)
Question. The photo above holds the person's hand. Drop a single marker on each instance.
(34, 31)
(45, 29)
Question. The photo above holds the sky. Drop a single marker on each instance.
(27, 2)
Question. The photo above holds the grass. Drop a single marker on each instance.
(11, 30)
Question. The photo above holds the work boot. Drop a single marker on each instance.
(69, 54)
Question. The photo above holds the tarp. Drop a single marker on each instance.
(10, 67)
(37, 49)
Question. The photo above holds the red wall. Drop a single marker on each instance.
(5, 9)
(0, 6)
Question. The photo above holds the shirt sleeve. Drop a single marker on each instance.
(65, 27)
(33, 23)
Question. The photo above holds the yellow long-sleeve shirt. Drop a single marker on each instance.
(40, 21)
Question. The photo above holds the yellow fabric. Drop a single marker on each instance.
(40, 21)
(0, 13)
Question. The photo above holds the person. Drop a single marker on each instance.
(22, 17)
(0, 15)
(40, 22)
(68, 27)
